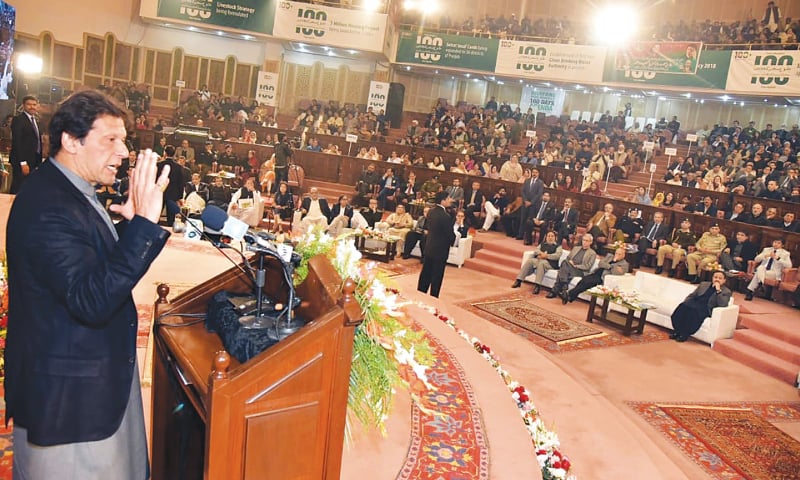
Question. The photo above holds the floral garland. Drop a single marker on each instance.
(3, 316)
(554, 464)
(386, 349)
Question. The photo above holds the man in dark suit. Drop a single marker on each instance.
(739, 251)
(26, 143)
(174, 191)
(437, 246)
(341, 216)
(473, 204)
(417, 234)
(566, 221)
(196, 186)
(532, 190)
(541, 215)
(652, 234)
(72, 382)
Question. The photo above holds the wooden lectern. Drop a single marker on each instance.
(281, 415)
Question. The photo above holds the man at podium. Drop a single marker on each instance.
(72, 381)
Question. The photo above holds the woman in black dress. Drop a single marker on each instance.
(689, 315)
(284, 202)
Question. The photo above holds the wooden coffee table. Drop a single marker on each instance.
(627, 323)
(385, 254)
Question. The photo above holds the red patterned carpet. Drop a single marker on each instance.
(731, 440)
(447, 438)
(612, 338)
(537, 320)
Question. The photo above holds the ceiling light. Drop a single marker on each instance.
(614, 25)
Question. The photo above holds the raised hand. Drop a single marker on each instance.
(146, 193)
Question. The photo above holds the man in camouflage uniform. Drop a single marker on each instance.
(710, 245)
(677, 244)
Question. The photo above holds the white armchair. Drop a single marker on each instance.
(458, 255)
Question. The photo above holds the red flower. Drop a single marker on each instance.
(565, 464)
(557, 464)
(523, 398)
(443, 318)
(541, 451)
(486, 349)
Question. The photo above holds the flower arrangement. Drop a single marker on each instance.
(375, 234)
(386, 349)
(554, 464)
(3, 315)
(616, 295)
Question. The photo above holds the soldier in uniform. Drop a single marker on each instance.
(629, 226)
(677, 244)
(710, 245)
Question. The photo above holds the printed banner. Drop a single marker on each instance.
(546, 100)
(251, 15)
(712, 72)
(378, 96)
(334, 26)
(437, 49)
(267, 88)
(551, 61)
(659, 57)
(768, 72)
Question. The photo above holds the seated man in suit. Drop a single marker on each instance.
(613, 264)
(566, 221)
(541, 214)
(219, 194)
(770, 264)
(365, 186)
(739, 251)
(341, 216)
(417, 234)
(577, 264)
(196, 186)
(544, 258)
(706, 207)
(652, 234)
(314, 210)
(601, 223)
(473, 202)
(460, 226)
(388, 186)
(367, 217)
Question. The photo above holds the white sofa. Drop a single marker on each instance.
(550, 276)
(666, 293)
(458, 255)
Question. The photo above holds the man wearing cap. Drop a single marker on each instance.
(629, 227)
(677, 245)
(227, 158)
(710, 245)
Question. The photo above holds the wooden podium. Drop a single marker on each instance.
(281, 415)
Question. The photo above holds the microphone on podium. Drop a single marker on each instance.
(217, 219)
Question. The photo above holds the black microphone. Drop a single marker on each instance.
(217, 219)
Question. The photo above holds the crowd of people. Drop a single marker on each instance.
(771, 30)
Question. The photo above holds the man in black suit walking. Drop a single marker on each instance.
(437, 246)
(26, 143)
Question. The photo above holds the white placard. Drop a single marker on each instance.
(771, 72)
(180, 84)
(378, 96)
(546, 100)
(691, 137)
(551, 61)
(670, 152)
(649, 146)
(653, 168)
(530, 133)
(338, 27)
(351, 138)
(267, 88)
